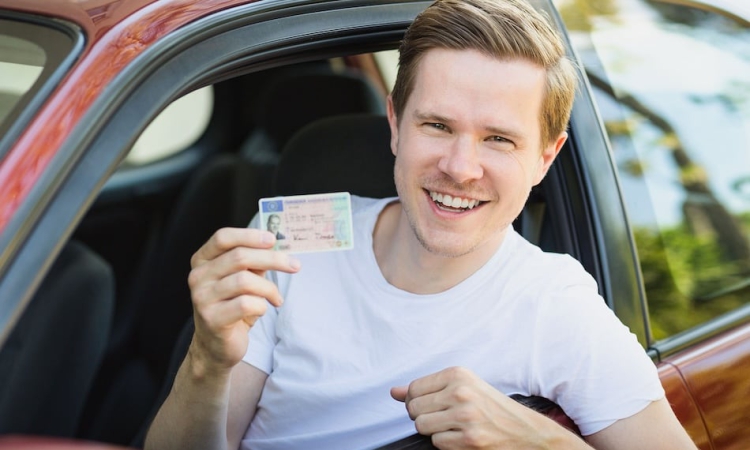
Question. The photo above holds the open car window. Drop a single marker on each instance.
(175, 129)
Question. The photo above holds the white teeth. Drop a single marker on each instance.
(453, 202)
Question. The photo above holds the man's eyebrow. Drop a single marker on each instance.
(431, 117)
(492, 129)
(504, 132)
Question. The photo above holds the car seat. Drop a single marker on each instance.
(297, 98)
(50, 358)
(349, 153)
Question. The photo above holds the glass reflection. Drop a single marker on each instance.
(672, 83)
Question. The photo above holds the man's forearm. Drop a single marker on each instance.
(194, 415)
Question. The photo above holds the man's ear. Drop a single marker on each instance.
(393, 123)
(548, 157)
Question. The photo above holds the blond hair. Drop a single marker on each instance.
(504, 29)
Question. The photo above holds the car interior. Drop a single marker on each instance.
(123, 321)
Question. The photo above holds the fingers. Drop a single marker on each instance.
(435, 422)
(238, 260)
(226, 239)
(451, 439)
(437, 392)
(439, 381)
(427, 404)
(451, 424)
(399, 393)
(237, 284)
(239, 272)
(248, 308)
(445, 405)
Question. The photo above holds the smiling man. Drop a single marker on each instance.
(442, 310)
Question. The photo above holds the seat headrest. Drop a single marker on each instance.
(341, 153)
(295, 99)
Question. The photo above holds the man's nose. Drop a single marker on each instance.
(461, 160)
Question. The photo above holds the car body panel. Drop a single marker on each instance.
(717, 373)
(110, 49)
(95, 17)
(40, 443)
(683, 405)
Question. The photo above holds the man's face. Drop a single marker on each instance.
(468, 148)
(273, 224)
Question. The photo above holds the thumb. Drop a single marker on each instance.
(399, 393)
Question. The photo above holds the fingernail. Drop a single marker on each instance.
(267, 238)
(294, 263)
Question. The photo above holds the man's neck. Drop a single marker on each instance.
(407, 265)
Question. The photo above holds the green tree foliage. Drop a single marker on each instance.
(687, 277)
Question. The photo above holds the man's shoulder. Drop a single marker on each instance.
(364, 204)
(545, 271)
(533, 255)
(365, 212)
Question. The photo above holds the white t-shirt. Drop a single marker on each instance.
(527, 322)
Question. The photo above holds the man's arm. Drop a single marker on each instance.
(207, 412)
(214, 395)
(655, 427)
(461, 411)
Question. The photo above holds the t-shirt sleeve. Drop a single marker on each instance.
(261, 342)
(262, 335)
(589, 363)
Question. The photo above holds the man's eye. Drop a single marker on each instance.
(437, 126)
(499, 139)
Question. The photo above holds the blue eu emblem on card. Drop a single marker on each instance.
(273, 206)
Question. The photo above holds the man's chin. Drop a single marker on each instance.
(445, 246)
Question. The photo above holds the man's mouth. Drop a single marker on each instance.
(450, 203)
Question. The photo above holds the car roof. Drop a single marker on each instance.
(95, 17)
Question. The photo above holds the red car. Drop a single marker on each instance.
(130, 130)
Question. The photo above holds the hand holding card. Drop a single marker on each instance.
(309, 223)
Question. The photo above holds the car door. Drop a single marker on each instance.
(670, 81)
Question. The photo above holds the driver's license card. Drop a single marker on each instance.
(309, 223)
